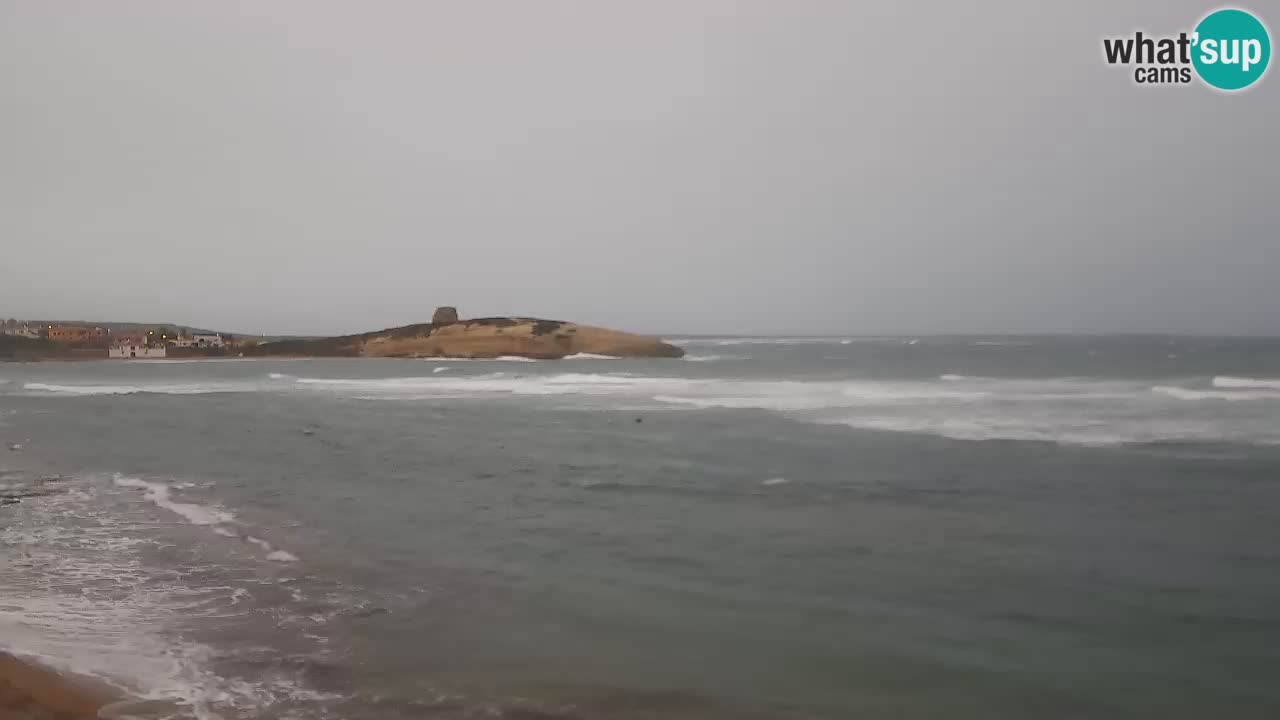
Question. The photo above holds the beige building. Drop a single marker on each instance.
(135, 352)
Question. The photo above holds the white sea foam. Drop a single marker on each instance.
(1229, 395)
(158, 494)
(775, 481)
(273, 553)
(1227, 381)
(206, 360)
(712, 358)
(725, 342)
(1062, 409)
(1002, 343)
(768, 394)
(79, 597)
(494, 383)
(980, 427)
(500, 358)
(1065, 410)
(180, 389)
(82, 389)
(590, 356)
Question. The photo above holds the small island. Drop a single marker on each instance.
(446, 336)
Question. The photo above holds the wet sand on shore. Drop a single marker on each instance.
(29, 691)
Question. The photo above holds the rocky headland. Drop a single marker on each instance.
(449, 337)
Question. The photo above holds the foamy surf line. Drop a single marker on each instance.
(1227, 381)
(1064, 410)
(1239, 393)
(713, 358)
(499, 359)
(81, 600)
(83, 390)
(726, 342)
(159, 494)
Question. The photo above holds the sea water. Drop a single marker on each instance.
(850, 527)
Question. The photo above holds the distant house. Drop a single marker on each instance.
(198, 340)
(13, 327)
(137, 351)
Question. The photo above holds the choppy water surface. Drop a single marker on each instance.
(771, 527)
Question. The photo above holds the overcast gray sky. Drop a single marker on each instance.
(663, 166)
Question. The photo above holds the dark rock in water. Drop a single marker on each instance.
(445, 315)
(639, 420)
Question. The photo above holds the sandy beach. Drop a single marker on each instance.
(29, 691)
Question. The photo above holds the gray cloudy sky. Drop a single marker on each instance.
(664, 166)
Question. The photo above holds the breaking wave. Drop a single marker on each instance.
(726, 342)
(1063, 410)
(500, 358)
(158, 494)
(712, 358)
(1229, 395)
(1002, 343)
(79, 596)
(1226, 381)
(1085, 410)
(81, 390)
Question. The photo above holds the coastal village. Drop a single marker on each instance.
(87, 341)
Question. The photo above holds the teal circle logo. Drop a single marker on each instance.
(1232, 49)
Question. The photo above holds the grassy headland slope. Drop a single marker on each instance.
(477, 338)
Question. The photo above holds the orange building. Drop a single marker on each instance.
(75, 333)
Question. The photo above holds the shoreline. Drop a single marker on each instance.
(33, 691)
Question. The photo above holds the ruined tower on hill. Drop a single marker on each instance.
(445, 315)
